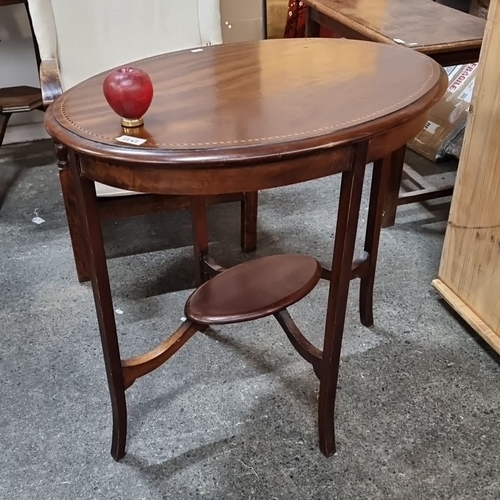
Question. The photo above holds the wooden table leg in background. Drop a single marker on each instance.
(200, 236)
(380, 176)
(249, 212)
(4, 120)
(345, 238)
(393, 186)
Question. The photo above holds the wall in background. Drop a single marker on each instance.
(18, 67)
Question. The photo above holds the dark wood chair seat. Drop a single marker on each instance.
(253, 290)
(20, 99)
(17, 100)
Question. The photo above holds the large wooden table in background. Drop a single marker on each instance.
(447, 35)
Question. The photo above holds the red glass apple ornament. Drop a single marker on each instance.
(129, 92)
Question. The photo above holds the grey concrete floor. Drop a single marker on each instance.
(233, 414)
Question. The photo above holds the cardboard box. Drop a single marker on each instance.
(444, 132)
(479, 8)
(454, 148)
(242, 20)
(449, 116)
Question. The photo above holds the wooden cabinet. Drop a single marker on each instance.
(469, 274)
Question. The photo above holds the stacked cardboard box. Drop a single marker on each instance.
(449, 116)
(444, 132)
(478, 8)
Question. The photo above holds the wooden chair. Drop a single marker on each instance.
(18, 99)
(79, 39)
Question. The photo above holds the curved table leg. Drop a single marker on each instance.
(345, 237)
(380, 178)
(104, 308)
(136, 367)
(307, 350)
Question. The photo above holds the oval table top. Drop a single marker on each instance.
(239, 102)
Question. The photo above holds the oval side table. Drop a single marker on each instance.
(245, 117)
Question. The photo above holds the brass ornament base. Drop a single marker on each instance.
(132, 122)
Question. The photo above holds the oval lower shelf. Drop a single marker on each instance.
(253, 290)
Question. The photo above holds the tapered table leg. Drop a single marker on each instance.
(345, 237)
(249, 213)
(104, 307)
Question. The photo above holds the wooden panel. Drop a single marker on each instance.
(471, 254)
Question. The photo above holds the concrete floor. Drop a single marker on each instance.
(233, 414)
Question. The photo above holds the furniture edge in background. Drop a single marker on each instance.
(445, 53)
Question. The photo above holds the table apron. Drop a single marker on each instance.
(212, 180)
(197, 180)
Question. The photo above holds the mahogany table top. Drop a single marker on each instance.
(248, 101)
